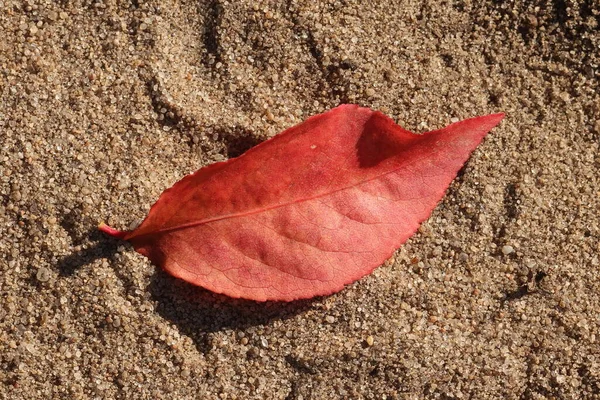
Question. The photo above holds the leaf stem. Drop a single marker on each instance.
(111, 231)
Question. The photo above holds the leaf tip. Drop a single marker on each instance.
(102, 227)
(498, 116)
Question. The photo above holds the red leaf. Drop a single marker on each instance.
(311, 210)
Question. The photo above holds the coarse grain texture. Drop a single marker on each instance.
(105, 104)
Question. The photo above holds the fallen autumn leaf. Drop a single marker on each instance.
(315, 208)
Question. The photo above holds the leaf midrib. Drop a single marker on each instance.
(243, 214)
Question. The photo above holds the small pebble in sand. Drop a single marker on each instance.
(264, 342)
(506, 250)
(370, 341)
(330, 319)
(43, 274)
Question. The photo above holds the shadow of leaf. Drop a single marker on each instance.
(240, 142)
(100, 248)
(197, 312)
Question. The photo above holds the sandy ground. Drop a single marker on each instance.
(104, 104)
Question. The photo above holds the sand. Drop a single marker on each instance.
(104, 104)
